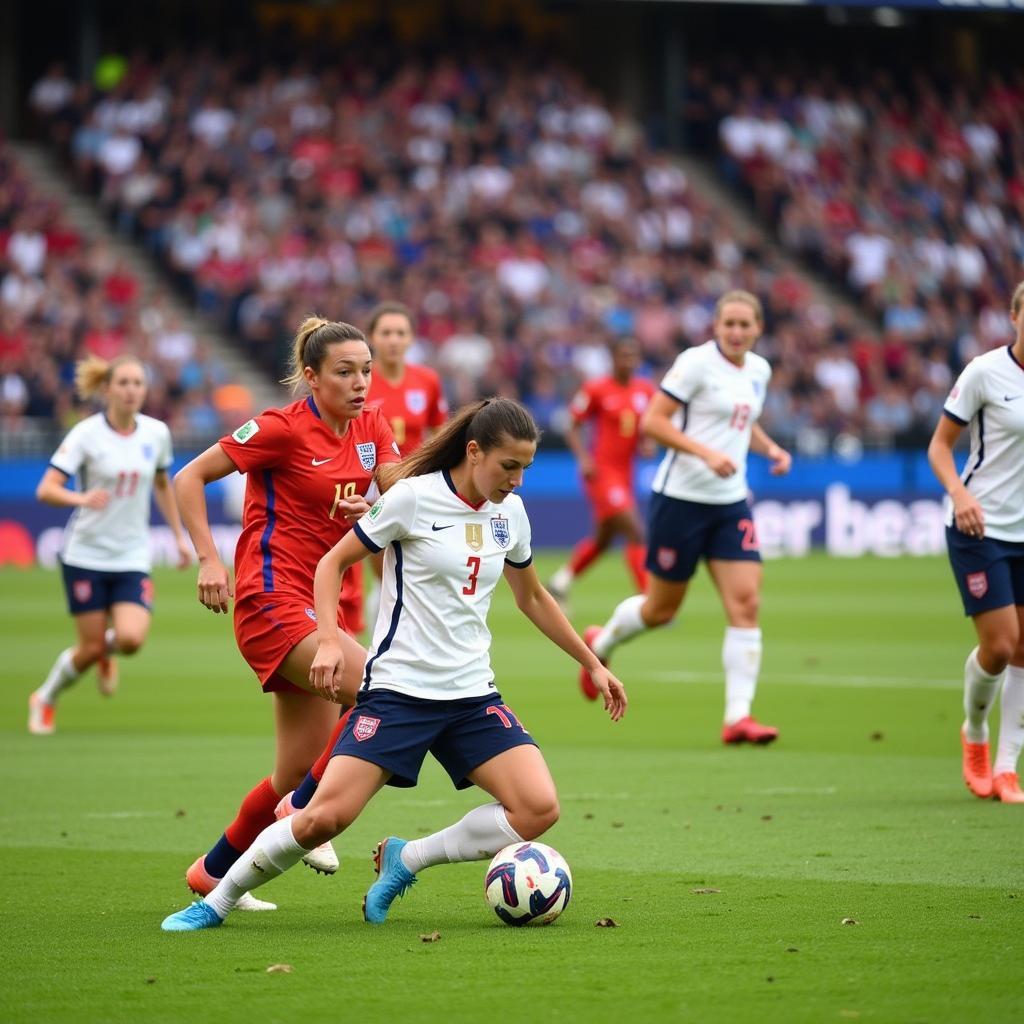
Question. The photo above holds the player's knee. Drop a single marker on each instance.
(1000, 649)
(539, 814)
(316, 824)
(129, 643)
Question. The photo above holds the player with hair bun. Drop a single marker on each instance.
(121, 459)
(705, 416)
(309, 468)
(985, 538)
(451, 527)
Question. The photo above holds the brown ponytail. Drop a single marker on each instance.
(488, 422)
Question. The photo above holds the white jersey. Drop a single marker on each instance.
(720, 404)
(989, 395)
(443, 560)
(115, 538)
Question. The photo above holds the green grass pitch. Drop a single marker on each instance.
(857, 813)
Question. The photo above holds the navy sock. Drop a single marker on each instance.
(305, 792)
(221, 857)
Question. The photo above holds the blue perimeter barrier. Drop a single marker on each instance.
(884, 504)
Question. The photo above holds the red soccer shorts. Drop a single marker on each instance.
(610, 492)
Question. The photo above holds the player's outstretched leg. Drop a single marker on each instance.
(202, 883)
(322, 858)
(393, 879)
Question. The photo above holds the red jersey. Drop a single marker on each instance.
(412, 405)
(615, 410)
(297, 470)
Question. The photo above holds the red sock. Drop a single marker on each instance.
(582, 555)
(636, 555)
(255, 814)
(320, 764)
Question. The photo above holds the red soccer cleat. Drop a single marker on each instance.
(590, 691)
(202, 883)
(749, 730)
(40, 716)
(976, 768)
(1006, 788)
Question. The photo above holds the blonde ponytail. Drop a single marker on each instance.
(310, 346)
(92, 374)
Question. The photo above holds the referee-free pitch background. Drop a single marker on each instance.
(729, 872)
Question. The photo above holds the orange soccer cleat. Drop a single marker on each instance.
(40, 717)
(749, 730)
(107, 675)
(1006, 788)
(590, 691)
(202, 883)
(976, 767)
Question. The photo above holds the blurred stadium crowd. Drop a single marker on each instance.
(526, 221)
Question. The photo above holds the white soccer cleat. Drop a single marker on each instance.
(249, 902)
(40, 716)
(322, 858)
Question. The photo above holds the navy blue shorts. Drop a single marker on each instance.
(397, 732)
(91, 590)
(680, 533)
(989, 572)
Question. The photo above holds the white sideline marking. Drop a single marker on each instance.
(127, 814)
(855, 682)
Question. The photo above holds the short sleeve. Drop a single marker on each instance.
(582, 405)
(438, 406)
(259, 443)
(390, 519)
(387, 447)
(683, 381)
(520, 555)
(73, 451)
(967, 396)
(166, 454)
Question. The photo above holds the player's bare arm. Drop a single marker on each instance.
(657, 424)
(967, 513)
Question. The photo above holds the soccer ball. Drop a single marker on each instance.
(528, 883)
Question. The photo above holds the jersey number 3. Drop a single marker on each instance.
(473, 564)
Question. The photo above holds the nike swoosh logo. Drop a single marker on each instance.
(447, 526)
(320, 462)
(1010, 398)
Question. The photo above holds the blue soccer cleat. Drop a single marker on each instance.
(394, 879)
(193, 918)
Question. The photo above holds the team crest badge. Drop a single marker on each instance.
(475, 535)
(367, 452)
(147, 452)
(82, 589)
(311, 614)
(499, 531)
(977, 584)
(416, 401)
(666, 558)
(365, 727)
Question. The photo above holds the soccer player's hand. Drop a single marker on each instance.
(720, 464)
(327, 669)
(967, 514)
(781, 461)
(96, 498)
(354, 507)
(184, 553)
(587, 468)
(611, 690)
(214, 586)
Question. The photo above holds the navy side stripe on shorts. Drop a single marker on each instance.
(268, 562)
(396, 612)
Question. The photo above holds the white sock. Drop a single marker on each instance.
(1011, 721)
(272, 853)
(110, 641)
(561, 578)
(61, 676)
(479, 835)
(741, 659)
(625, 623)
(980, 691)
